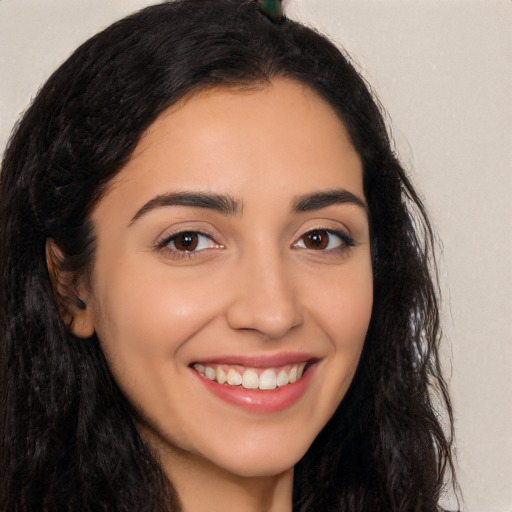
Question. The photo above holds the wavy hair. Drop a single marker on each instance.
(68, 439)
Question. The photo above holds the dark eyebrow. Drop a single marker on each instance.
(224, 204)
(319, 200)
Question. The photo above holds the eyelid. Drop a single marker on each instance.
(164, 241)
(185, 226)
(168, 237)
(346, 239)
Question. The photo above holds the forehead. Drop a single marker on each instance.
(276, 137)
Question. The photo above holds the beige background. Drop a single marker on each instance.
(443, 69)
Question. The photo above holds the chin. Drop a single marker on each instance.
(260, 461)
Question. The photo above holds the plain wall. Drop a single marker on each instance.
(443, 71)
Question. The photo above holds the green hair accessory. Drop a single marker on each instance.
(273, 9)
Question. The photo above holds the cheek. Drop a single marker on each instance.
(343, 302)
(343, 310)
(151, 314)
(142, 324)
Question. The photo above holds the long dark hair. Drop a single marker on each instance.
(68, 438)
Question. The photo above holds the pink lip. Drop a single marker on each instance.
(255, 400)
(260, 361)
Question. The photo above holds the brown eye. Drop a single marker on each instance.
(318, 239)
(324, 240)
(187, 241)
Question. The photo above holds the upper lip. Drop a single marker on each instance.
(259, 360)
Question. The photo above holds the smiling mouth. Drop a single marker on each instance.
(265, 379)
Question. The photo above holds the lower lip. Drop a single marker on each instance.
(256, 400)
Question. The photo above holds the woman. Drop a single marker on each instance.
(216, 288)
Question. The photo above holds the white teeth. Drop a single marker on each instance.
(221, 376)
(199, 368)
(234, 378)
(282, 378)
(300, 370)
(268, 380)
(250, 380)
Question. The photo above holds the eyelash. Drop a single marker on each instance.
(346, 242)
(178, 254)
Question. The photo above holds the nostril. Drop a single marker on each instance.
(267, 318)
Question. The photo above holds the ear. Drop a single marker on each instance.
(71, 292)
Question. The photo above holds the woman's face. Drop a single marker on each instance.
(234, 248)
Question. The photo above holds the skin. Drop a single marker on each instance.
(253, 287)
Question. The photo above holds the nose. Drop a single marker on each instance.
(265, 298)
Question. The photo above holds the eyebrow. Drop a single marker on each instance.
(227, 205)
(319, 200)
(224, 204)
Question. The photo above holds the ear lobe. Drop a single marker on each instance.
(71, 293)
(82, 324)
